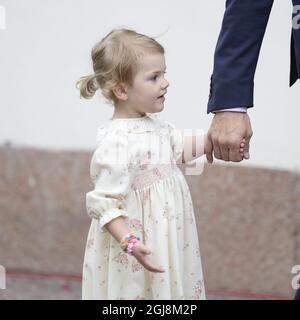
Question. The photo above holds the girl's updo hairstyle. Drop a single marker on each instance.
(115, 61)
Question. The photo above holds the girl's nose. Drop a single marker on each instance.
(166, 84)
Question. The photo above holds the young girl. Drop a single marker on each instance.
(143, 241)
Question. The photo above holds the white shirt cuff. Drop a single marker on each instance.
(240, 109)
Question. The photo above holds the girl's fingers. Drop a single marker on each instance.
(247, 145)
(153, 268)
(243, 142)
(160, 269)
(242, 147)
(142, 255)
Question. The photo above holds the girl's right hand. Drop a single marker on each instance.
(141, 253)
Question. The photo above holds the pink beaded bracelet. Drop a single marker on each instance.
(131, 243)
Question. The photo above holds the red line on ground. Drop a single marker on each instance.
(76, 277)
(43, 275)
(246, 294)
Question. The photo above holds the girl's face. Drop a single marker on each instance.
(149, 84)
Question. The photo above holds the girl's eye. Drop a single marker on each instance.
(155, 77)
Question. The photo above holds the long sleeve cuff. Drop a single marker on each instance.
(229, 94)
(110, 215)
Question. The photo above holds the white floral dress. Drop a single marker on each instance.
(149, 189)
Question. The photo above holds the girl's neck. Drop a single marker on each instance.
(126, 112)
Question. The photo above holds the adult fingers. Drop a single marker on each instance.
(209, 149)
(224, 152)
(217, 150)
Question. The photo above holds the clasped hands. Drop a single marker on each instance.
(229, 136)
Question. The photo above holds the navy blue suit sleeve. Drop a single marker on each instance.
(236, 55)
(295, 44)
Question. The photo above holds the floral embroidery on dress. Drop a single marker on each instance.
(122, 258)
(146, 235)
(165, 210)
(198, 252)
(152, 278)
(198, 289)
(135, 225)
(95, 177)
(102, 283)
(185, 246)
(130, 167)
(138, 297)
(134, 181)
(136, 266)
(90, 243)
(154, 175)
(190, 216)
(143, 162)
(145, 195)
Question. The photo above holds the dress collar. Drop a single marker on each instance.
(147, 123)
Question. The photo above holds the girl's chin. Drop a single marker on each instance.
(157, 107)
(156, 110)
(160, 105)
(160, 109)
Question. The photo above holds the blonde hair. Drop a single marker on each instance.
(115, 61)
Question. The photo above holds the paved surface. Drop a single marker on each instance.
(56, 287)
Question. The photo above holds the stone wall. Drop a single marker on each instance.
(248, 219)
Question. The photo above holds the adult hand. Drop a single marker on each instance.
(225, 134)
(141, 253)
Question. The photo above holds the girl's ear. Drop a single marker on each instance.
(120, 92)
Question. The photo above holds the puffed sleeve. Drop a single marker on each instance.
(177, 141)
(112, 176)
